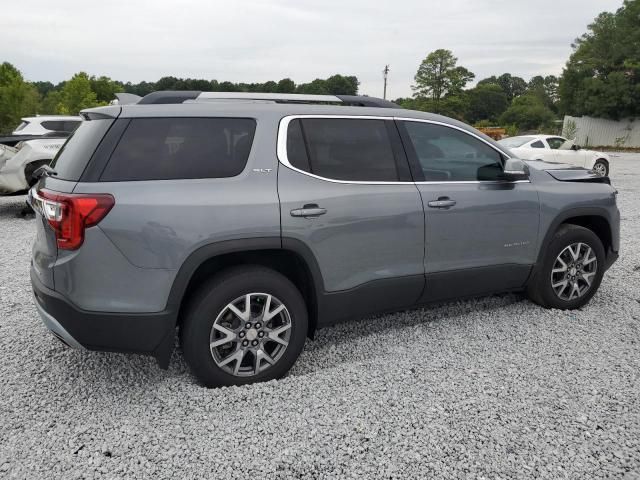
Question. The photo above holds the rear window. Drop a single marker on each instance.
(181, 148)
(342, 149)
(21, 126)
(74, 155)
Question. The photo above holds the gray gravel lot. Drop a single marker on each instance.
(489, 388)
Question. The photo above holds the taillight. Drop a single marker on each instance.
(70, 214)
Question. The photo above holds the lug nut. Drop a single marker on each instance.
(261, 334)
(241, 334)
(254, 343)
(258, 325)
(245, 343)
(247, 325)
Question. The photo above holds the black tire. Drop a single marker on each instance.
(210, 301)
(540, 288)
(32, 167)
(601, 164)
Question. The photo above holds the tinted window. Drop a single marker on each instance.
(61, 125)
(448, 154)
(72, 158)
(537, 144)
(555, 143)
(55, 125)
(296, 149)
(70, 125)
(181, 148)
(345, 149)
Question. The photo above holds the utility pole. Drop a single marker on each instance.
(385, 72)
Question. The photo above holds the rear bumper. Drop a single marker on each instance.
(151, 334)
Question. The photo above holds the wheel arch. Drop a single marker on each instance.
(593, 218)
(290, 257)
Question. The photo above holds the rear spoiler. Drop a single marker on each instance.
(126, 99)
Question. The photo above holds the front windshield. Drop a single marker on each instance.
(514, 142)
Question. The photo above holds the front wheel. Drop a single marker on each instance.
(571, 271)
(601, 167)
(248, 324)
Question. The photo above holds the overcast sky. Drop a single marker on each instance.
(256, 41)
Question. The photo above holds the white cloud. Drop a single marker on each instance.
(257, 40)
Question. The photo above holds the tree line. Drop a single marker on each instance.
(600, 79)
(19, 98)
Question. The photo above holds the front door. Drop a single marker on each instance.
(481, 231)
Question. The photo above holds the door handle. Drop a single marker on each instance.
(309, 210)
(442, 202)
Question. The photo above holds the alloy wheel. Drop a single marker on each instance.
(250, 334)
(600, 169)
(573, 271)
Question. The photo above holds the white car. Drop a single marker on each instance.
(44, 124)
(550, 148)
(18, 163)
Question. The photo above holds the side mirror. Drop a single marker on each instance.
(575, 147)
(515, 169)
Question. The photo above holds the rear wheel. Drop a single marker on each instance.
(571, 271)
(601, 167)
(247, 325)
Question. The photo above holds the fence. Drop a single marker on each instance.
(599, 132)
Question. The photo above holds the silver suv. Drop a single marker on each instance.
(247, 221)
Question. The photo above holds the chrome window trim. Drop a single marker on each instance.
(281, 150)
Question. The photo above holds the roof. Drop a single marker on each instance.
(261, 109)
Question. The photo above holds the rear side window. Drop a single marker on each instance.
(342, 149)
(537, 144)
(74, 155)
(181, 148)
(60, 125)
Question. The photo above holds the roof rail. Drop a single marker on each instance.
(178, 96)
(274, 97)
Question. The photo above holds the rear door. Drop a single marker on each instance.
(346, 192)
(481, 231)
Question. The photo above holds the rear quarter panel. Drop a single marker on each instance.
(157, 224)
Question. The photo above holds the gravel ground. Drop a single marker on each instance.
(489, 388)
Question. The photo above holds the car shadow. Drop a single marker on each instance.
(125, 371)
(323, 352)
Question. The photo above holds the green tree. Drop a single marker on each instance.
(602, 76)
(528, 112)
(510, 85)
(286, 85)
(317, 87)
(439, 75)
(105, 88)
(17, 97)
(77, 95)
(545, 88)
(486, 102)
(50, 102)
(342, 85)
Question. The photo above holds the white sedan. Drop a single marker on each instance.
(550, 148)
